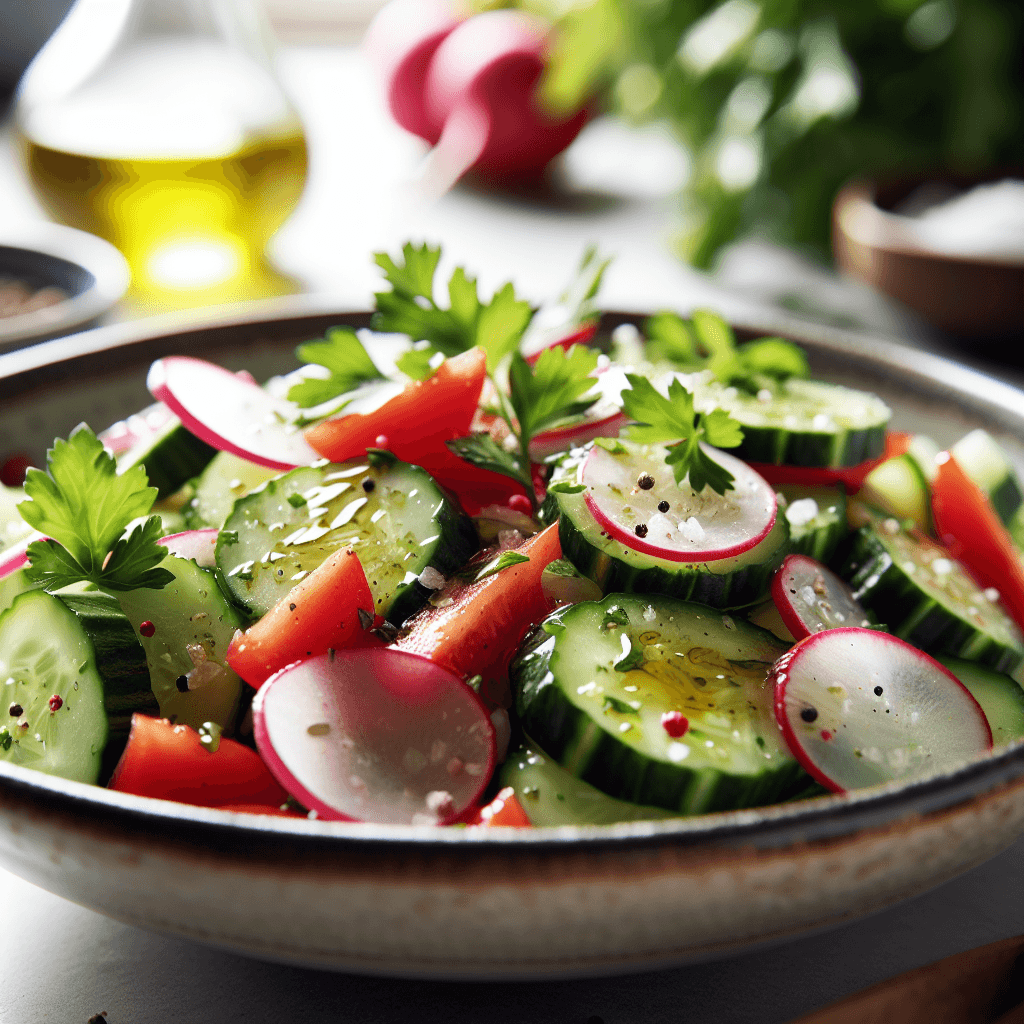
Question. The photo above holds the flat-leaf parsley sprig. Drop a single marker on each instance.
(673, 421)
(348, 366)
(555, 390)
(84, 506)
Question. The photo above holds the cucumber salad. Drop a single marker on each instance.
(485, 565)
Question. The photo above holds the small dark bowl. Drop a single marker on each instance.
(970, 297)
(92, 273)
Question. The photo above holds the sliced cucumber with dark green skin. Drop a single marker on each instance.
(979, 455)
(226, 479)
(816, 517)
(172, 457)
(1000, 697)
(185, 630)
(658, 702)
(52, 716)
(899, 488)
(807, 423)
(724, 583)
(397, 519)
(926, 598)
(552, 796)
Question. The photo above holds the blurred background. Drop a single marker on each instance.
(769, 158)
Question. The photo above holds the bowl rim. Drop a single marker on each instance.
(105, 264)
(835, 817)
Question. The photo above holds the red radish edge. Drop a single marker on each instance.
(16, 558)
(782, 718)
(199, 545)
(161, 388)
(576, 434)
(286, 777)
(579, 336)
(631, 540)
(783, 604)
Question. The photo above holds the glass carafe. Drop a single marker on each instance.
(160, 125)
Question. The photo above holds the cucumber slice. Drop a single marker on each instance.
(860, 708)
(224, 480)
(394, 515)
(912, 585)
(51, 700)
(172, 456)
(658, 702)
(981, 458)
(899, 488)
(552, 796)
(816, 517)
(806, 423)
(189, 625)
(1000, 697)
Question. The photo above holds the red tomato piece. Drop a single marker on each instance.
(505, 809)
(966, 522)
(320, 613)
(416, 422)
(169, 762)
(851, 477)
(479, 631)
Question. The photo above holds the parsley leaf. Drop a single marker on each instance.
(551, 391)
(341, 353)
(84, 505)
(483, 451)
(410, 307)
(707, 343)
(664, 420)
(503, 561)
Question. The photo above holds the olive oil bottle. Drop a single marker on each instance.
(171, 138)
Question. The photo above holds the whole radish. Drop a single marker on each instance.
(481, 91)
(400, 43)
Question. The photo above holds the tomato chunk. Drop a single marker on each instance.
(966, 522)
(479, 630)
(505, 809)
(416, 422)
(320, 613)
(170, 762)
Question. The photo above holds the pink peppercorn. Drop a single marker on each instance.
(675, 724)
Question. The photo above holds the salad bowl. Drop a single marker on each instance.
(422, 901)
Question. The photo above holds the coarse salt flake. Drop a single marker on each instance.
(802, 511)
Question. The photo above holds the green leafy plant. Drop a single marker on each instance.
(85, 506)
(342, 354)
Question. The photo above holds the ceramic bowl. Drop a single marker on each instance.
(91, 272)
(964, 296)
(501, 903)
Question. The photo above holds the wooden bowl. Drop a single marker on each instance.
(964, 296)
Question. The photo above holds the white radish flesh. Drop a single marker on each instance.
(669, 520)
(859, 708)
(810, 598)
(229, 413)
(199, 545)
(375, 735)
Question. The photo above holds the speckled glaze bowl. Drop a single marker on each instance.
(499, 903)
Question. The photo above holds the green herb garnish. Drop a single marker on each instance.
(659, 420)
(410, 308)
(85, 506)
(343, 355)
(503, 561)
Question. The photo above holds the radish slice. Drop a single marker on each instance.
(124, 435)
(16, 558)
(195, 544)
(575, 435)
(375, 735)
(859, 708)
(668, 520)
(811, 598)
(561, 337)
(229, 413)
